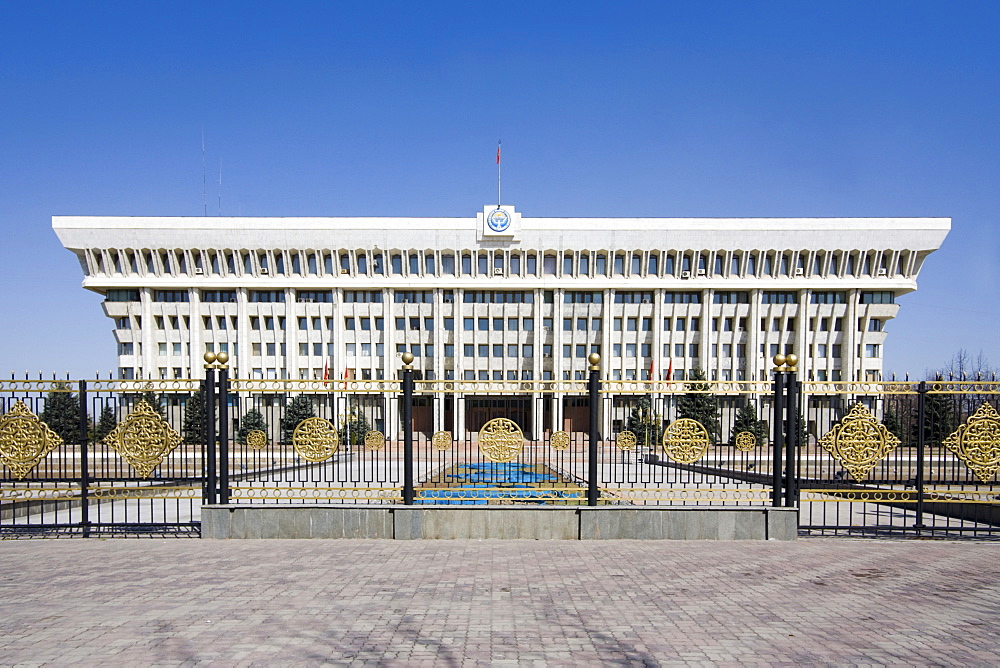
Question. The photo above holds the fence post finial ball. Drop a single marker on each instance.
(792, 359)
(209, 358)
(222, 358)
(407, 358)
(594, 359)
(779, 360)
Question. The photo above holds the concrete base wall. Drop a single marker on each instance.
(500, 522)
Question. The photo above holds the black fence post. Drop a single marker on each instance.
(778, 424)
(408, 491)
(223, 412)
(594, 387)
(209, 486)
(791, 430)
(921, 444)
(84, 462)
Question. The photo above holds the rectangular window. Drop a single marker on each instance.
(267, 296)
(837, 297)
(449, 324)
(468, 350)
(321, 296)
(349, 324)
(529, 324)
(732, 298)
(682, 298)
(170, 295)
(581, 350)
(468, 324)
(511, 350)
(835, 348)
(483, 324)
(878, 298)
(303, 323)
(630, 350)
(512, 324)
(647, 324)
(567, 350)
(483, 350)
(449, 350)
(616, 349)
(773, 297)
(567, 324)
(681, 324)
(527, 350)
(872, 350)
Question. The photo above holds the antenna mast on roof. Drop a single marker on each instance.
(204, 179)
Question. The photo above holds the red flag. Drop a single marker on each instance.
(326, 371)
(498, 153)
(670, 370)
(651, 362)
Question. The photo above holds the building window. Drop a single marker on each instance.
(773, 297)
(878, 298)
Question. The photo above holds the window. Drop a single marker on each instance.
(568, 264)
(303, 323)
(581, 324)
(583, 297)
(630, 350)
(448, 264)
(449, 350)
(355, 296)
(633, 297)
(482, 264)
(397, 264)
(170, 295)
(511, 350)
(549, 265)
(123, 323)
(595, 324)
(878, 298)
(835, 350)
(647, 324)
(682, 298)
(567, 324)
(349, 324)
(449, 324)
(324, 296)
(483, 324)
(872, 350)
(483, 350)
(567, 350)
(512, 324)
(631, 324)
(527, 350)
(123, 296)
(267, 296)
(528, 324)
(838, 297)
(468, 350)
(581, 350)
(771, 297)
(616, 349)
(732, 298)
(875, 325)
(681, 324)
(467, 265)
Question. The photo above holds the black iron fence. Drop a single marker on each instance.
(855, 458)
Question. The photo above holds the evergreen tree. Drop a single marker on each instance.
(746, 420)
(106, 423)
(698, 405)
(62, 413)
(195, 418)
(353, 429)
(154, 400)
(644, 423)
(301, 408)
(939, 418)
(894, 424)
(253, 420)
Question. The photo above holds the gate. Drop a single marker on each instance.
(100, 456)
(865, 459)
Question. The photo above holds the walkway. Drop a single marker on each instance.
(191, 602)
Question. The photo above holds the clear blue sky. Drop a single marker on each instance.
(605, 109)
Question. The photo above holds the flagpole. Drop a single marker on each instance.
(498, 173)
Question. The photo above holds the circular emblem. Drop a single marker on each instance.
(498, 220)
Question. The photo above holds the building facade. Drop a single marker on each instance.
(499, 296)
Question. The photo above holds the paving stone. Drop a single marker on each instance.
(481, 602)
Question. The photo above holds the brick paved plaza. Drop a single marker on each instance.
(169, 602)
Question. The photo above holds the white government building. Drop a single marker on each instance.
(500, 296)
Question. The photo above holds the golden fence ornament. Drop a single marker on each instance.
(315, 439)
(977, 442)
(25, 440)
(441, 440)
(859, 442)
(143, 439)
(374, 440)
(257, 439)
(559, 440)
(501, 440)
(626, 440)
(746, 441)
(686, 441)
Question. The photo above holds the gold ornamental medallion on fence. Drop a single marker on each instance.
(374, 440)
(745, 441)
(626, 440)
(143, 439)
(859, 442)
(257, 439)
(25, 440)
(441, 440)
(559, 440)
(501, 440)
(977, 442)
(315, 439)
(685, 441)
